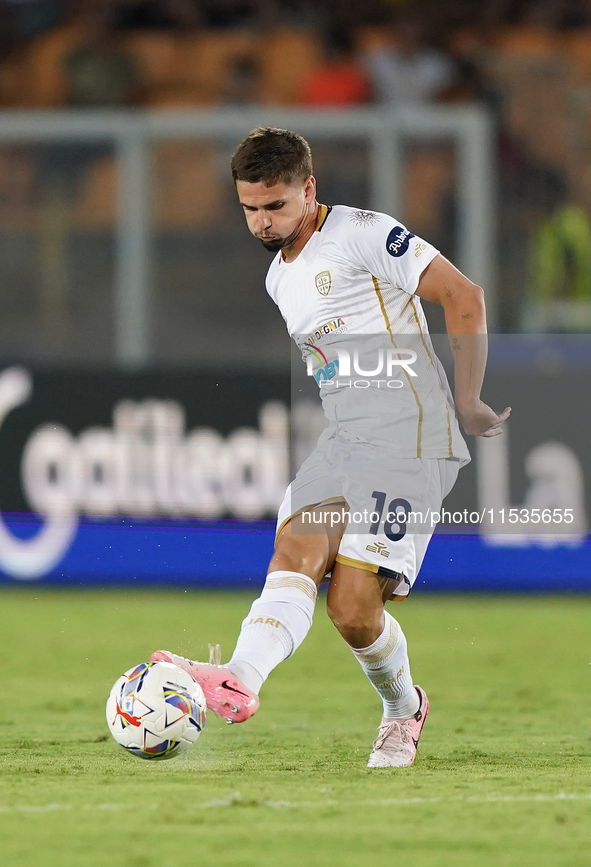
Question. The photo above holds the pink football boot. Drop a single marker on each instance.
(224, 695)
(397, 740)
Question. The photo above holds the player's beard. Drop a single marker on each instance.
(281, 243)
(273, 246)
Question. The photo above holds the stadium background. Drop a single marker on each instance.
(133, 314)
(150, 416)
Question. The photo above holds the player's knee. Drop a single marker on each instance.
(358, 625)
(359, 635)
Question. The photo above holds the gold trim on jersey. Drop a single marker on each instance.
(356, 564)
(416, 315)
(388, 326)
(368, 567)
(293, 582)
(323, 212)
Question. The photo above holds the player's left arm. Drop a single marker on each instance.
(465, 319)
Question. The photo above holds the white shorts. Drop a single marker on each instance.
(392, 504)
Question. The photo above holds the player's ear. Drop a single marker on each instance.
(310, 189)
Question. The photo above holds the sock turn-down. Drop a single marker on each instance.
(385, 662)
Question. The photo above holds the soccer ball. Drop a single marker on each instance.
(156, 710)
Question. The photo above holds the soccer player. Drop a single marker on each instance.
(346, 280)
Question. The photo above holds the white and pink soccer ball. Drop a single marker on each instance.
(156, 710)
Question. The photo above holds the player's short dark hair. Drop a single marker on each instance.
(272, 156)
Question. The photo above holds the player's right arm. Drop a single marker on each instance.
(465, 319)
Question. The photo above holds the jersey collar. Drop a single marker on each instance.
(323, 212)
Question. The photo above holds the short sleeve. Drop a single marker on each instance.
(387, 249)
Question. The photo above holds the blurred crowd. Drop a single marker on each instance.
(527, 61)
(175, 53)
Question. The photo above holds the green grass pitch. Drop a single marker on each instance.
(502, 777)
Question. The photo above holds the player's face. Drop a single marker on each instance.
(277, 215)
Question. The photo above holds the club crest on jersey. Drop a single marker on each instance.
(397, 241)
(323, 282)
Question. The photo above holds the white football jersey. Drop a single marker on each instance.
(352, 287)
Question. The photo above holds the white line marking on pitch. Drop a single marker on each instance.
(236, 799)
(50, 808)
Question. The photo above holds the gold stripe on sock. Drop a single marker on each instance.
(371, 658)
(291, 581)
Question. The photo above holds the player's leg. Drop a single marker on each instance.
(378, 561)
(309, 528)
(280, 618)
(355, 604)
(277, 622)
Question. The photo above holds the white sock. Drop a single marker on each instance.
(386, 664)
(274, 628)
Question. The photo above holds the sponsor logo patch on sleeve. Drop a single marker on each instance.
(398, 240)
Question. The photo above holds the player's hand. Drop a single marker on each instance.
(481, 421)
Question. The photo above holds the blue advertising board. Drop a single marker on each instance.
(230, 554)
(174, 479)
